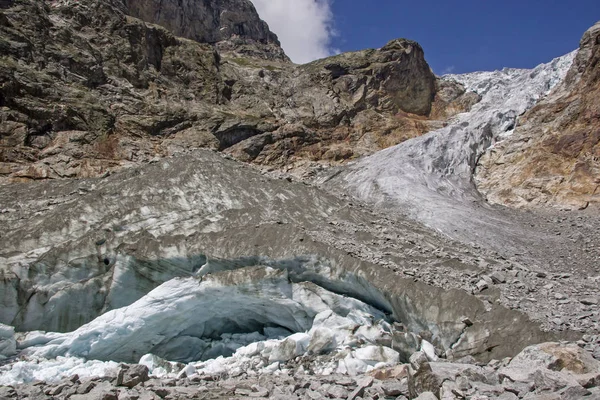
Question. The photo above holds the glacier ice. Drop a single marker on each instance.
(188, 319)
(54, 370)
(8, 343)
(429, 178)
(252, 319)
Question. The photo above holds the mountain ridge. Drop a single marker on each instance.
(80, 107)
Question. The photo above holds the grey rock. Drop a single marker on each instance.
(508, 396)
(361, 384)
(426, 396)
(589, 301)
(574, 393)
(337, 392)
(481, 285)
(498, 277)
(86, 386)
(132, 375)
(418, 359)
(7, 392)
(395, 388)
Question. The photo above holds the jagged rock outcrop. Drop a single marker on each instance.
(86, 88)
(553, 155)
(204, 20)
(230, 24)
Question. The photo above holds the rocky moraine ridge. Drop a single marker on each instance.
(184, 213)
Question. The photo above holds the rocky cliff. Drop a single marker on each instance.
(553, 155)
(86, 88)
(265, 286)
(230, 24)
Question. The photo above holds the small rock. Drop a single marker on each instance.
(243, 392)
(7, 392)
(55, 391)
(86, 386)
(589, 301)
(258, 391)
(559, 296)
(481, 285)
(427, 396)
(362, 384)
(498, 277)
(337, 392)
(395, 388)
(129, 376)
(397, 372)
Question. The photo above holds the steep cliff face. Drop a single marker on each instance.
(204, 20)
(86, 88)
(553, 156)
(230, 24)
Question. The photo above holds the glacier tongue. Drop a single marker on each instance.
(430, 177)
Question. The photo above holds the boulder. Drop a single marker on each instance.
(132, 375)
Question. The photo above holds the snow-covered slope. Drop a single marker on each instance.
(430, 177)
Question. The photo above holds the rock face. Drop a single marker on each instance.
(227, 23)
(86, 89)
(204, 20)
(553, 155)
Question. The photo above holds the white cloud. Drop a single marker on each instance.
(304, 27)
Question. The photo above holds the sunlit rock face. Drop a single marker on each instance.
(166, 76)
(204, 20)
(552, 157)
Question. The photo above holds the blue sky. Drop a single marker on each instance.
(467, 35)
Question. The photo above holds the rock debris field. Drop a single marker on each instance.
(331, 230)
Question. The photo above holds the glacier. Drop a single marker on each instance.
(174, 320)
(256, 317)
(430, 178)
(182, 312)
(251, 319)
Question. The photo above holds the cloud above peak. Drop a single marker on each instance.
(304, 27)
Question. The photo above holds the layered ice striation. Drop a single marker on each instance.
(259, 315)
(189, 319)
(430, 178)
(230, 321)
